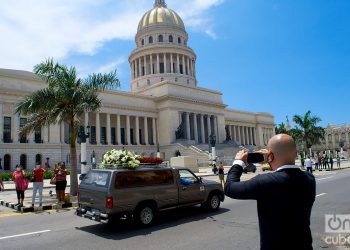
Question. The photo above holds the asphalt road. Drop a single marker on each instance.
(234, 226)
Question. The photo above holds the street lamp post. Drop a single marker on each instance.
(158, 151)
(83, 136)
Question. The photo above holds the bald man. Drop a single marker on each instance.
(284, 197)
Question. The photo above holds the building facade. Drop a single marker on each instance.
(165, 106)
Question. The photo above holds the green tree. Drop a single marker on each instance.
(65, 99)
(281, 129)
(306, 130)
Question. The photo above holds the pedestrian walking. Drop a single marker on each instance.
(319, 158)
(221, 170)
(38, 184)
(331, 161)
(284, 197)
(338, 160)
(61, 182)
(2, 188)
(325, 162)
(215, 169)
(316, 162)
(21, 183)
(308, 164)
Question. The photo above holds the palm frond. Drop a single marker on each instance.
(100, 81)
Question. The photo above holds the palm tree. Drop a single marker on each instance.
(281, 129)
(65, 99)
(307, 132)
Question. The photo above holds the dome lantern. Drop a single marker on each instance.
(159, 3)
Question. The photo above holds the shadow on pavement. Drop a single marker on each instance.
(124, 229)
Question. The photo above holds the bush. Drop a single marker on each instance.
(6, 176)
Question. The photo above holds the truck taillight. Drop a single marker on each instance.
(78, 197)
(109, 202)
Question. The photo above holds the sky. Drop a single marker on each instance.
(283, 57)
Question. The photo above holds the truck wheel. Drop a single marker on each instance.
(213, 203)
(145, 215)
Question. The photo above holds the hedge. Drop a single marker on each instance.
(7, 176)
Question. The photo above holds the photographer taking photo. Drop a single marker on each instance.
(284, 197)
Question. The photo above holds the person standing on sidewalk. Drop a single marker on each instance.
(319, 158)
(284, 197)
(61, 182)
(21, 184)
(38, 184)
(308, 164)
(331, 161)
(2, 189)
(221, 170)
(338, 160)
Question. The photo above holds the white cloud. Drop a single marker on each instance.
(32, 30)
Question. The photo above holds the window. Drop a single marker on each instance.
(7, 130)
(160, 38)
(23, 161)
(143, 42)
(7, 162)
(187, 177)
(161, 68)
(103, 136)
(181, 69)
(38, 159)
(150, 39)
(97, 178)
(132, 136)
(22, 123)
(144, 178)
(113, 136)
(179, 40)
(81, 131)
(37, 135)
(122, 136)
(93, 135)
(171, 39)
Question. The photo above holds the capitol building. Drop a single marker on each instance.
(166, 108)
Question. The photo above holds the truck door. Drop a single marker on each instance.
(191, 190)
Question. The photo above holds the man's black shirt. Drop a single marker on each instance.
(285, 199)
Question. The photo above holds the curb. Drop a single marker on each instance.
(37, 209)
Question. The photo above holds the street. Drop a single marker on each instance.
(234, 226)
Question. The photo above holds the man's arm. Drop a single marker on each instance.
(235, 189)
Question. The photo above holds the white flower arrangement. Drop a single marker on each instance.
(121, 158)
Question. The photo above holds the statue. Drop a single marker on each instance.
(180, 132)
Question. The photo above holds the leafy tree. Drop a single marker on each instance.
(65, 99)
(306, 131)
(281, 129)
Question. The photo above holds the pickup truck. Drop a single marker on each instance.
(143, 193)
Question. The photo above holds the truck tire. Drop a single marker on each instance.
(213, 202)
(145, 214)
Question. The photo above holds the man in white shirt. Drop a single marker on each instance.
(308, 164)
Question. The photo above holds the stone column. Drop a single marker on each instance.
(108, 132)
(146, 65)
(171, 63)
(15, 128)
(209, 125)
(146, 130)
(178, 64)
(127, 131)
(195, 128)
(202, 129)
(152, 72)
(46, 134)
(188, 128)
(235, 133)
(1, 124)
(98, 129)
(239, 135)
(158, 70)
(346, 138)
(188, 66)
(86, 124)
(165, 66)
(251, 136)
(254, 137)
(61, 132)
(333, 140)
(154, 131)
(215, 128)
(183, 65)
(137, 130)
(139, 64)
(118, 131)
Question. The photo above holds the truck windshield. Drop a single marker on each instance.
(98, 178)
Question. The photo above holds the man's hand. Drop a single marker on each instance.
(242, 155)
